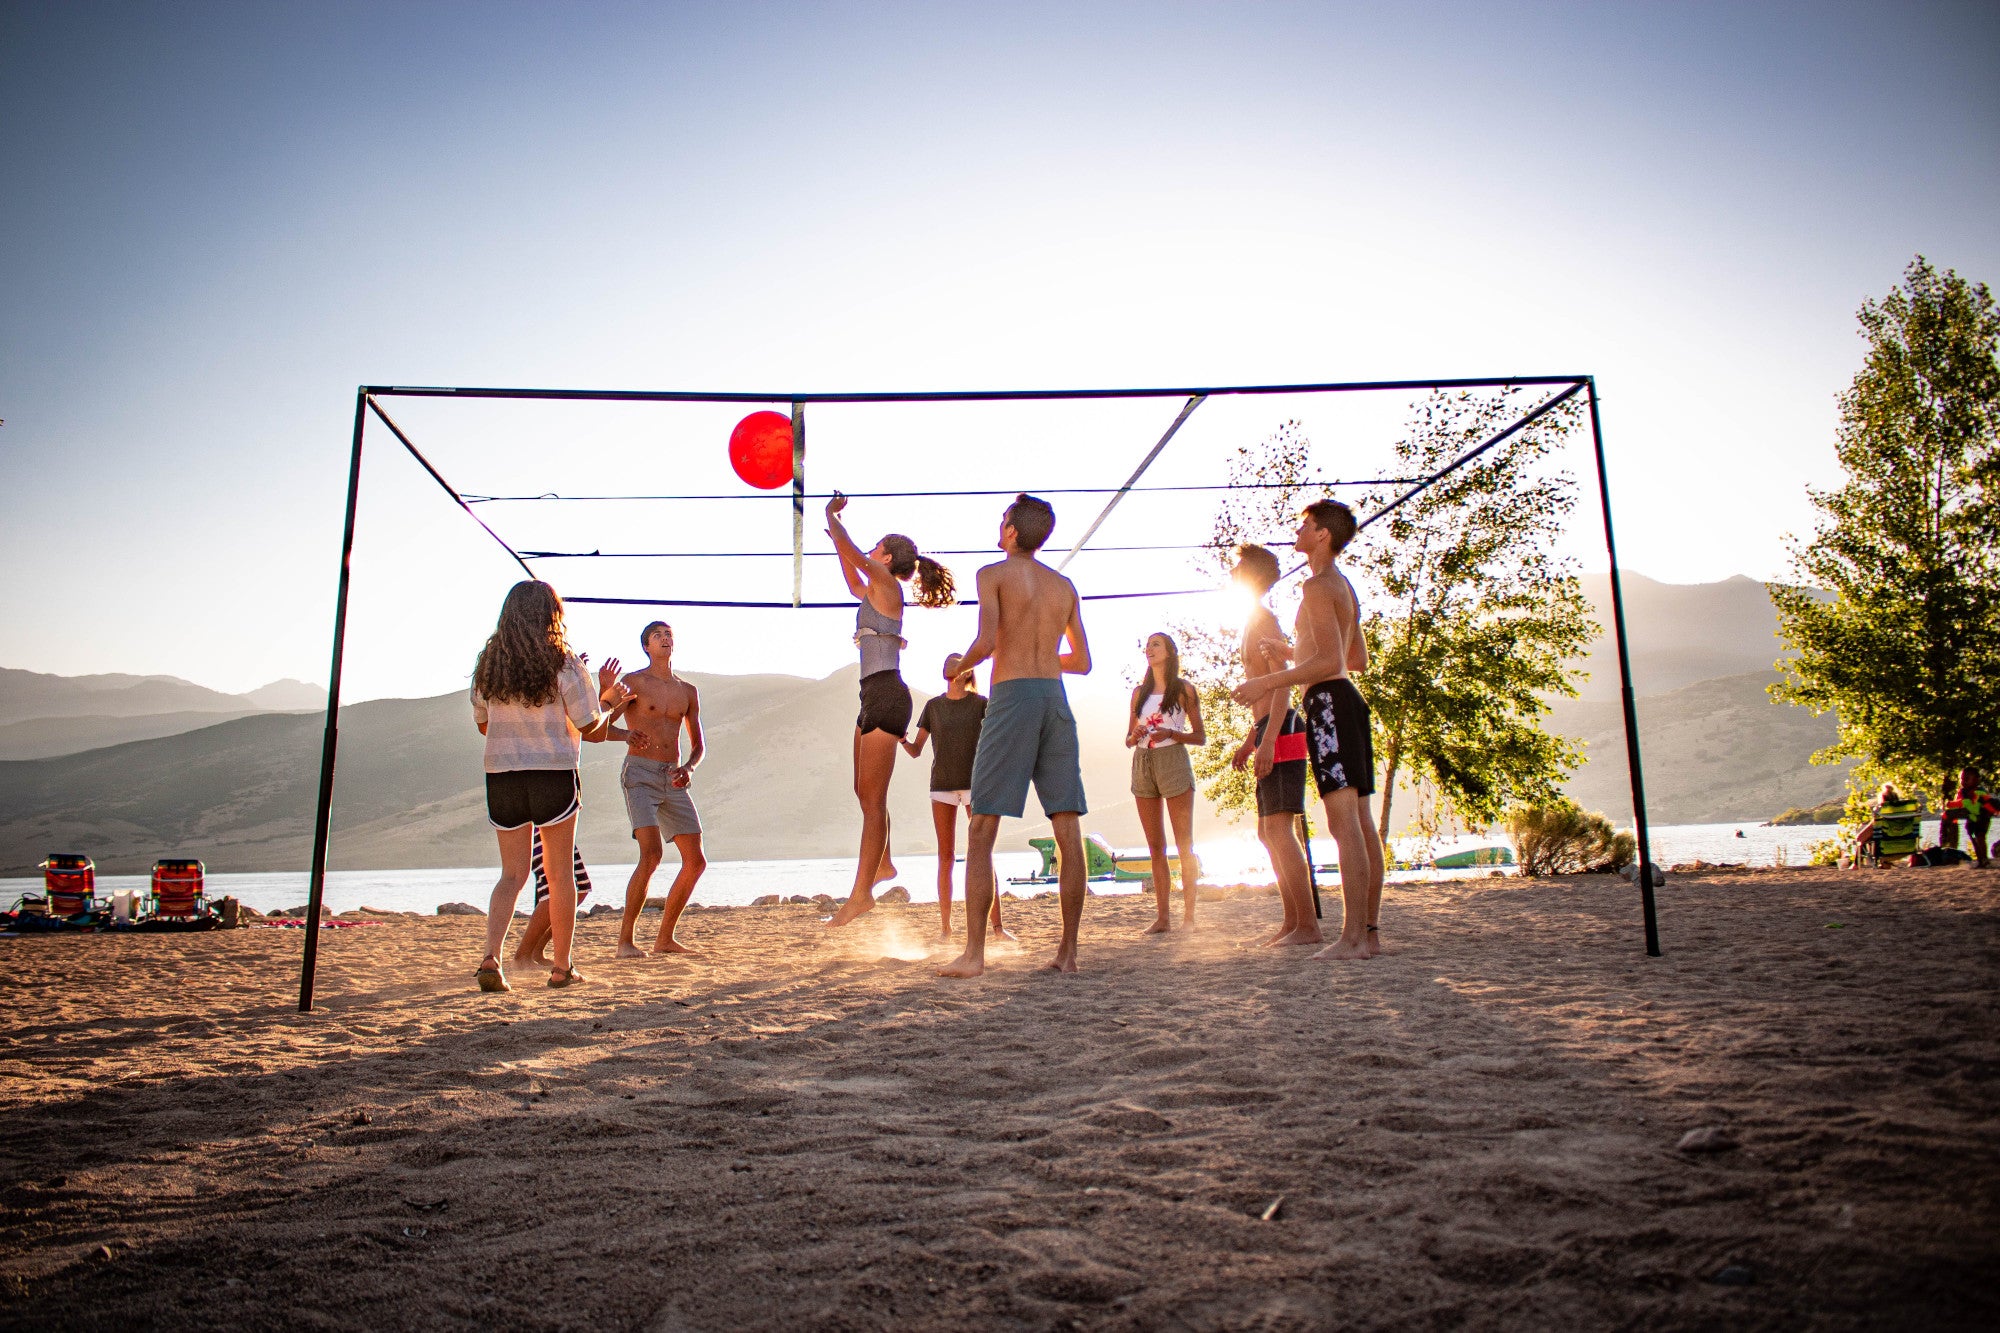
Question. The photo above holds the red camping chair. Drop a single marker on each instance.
(178, 890)
(70, 880)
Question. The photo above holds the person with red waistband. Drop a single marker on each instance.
(1279, 753)
(1339, 746)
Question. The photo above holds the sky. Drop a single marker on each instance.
(220, 219)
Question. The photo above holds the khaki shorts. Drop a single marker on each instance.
(652, 799)
(1161, 772)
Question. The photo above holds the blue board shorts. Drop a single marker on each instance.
(1029, 735)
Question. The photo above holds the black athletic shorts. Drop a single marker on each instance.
(885, 704)
(524, 796)
(1282, 791)
(1337, 738)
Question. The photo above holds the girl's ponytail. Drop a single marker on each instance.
(934, 585)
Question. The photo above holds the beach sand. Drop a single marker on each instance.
(810, 1131)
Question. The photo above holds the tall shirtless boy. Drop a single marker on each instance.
(1027, 612)
(1338, 742)
(1276, 746)
(656, 786)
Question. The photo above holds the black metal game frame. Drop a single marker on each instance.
(367, 401)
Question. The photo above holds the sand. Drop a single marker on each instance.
(800, 1131)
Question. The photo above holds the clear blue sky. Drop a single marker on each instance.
(219, 219)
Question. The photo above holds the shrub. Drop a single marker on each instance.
(1562, 838)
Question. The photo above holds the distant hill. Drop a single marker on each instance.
(286, 696)
(1680, 633)
(1715, 751)
(777, 784)
(47, 737)
(32, 694)
(131, 768)
(410, 792)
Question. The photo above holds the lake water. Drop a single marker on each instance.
(1231, 859)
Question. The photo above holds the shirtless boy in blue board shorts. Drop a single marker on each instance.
(1027, 612)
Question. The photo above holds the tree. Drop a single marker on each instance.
(1894, 620)
(1281, 478)
(1480, 619)
(1477, 627)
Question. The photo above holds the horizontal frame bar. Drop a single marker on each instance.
(849, 605)
(956, 396)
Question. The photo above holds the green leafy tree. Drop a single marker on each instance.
(1894, 622)
(1477, 620)
(1286, 479)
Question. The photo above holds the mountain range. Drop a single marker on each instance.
(232, 778)
(44, 715)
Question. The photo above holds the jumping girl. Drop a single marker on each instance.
(534, 701)
(876, 579)
(1166, 719)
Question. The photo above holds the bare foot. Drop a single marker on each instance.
(1373, 944)
(1304, 935)
(1160, 926)
(943, 936)
(886, 871)
(675, 946)
(965, 965)
(1187, 922)
(851, 909)
(1065, 961)
(1002, 933)
(540, 959)
(629, 950)
(1341, 951)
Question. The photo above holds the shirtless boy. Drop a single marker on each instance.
(1027, 612)
(1337, 726)
(1278, 751)
(656, 786)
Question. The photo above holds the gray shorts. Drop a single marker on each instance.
(651, 798)
(1029, 735)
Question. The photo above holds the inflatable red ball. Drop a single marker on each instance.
(760, 449)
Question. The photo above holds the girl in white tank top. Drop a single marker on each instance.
(1165, 719)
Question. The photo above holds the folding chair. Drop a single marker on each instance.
(178, 890)
(70, 881)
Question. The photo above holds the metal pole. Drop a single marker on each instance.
(322, 821)
(1312, 877)
(1632, 763)
(798, 502)
(955, 396)
(1131, 481)
(449, 489)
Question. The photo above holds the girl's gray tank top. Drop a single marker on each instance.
(879, 637)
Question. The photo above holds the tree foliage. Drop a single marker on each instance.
(1287, 479)
(1906, 649)
(1562, 838)
(1479, 619)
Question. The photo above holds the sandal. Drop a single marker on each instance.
(492, 978)
(560, 978)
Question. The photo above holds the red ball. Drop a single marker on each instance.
(760, 449)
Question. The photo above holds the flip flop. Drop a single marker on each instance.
(492, 979)
(558, 979)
